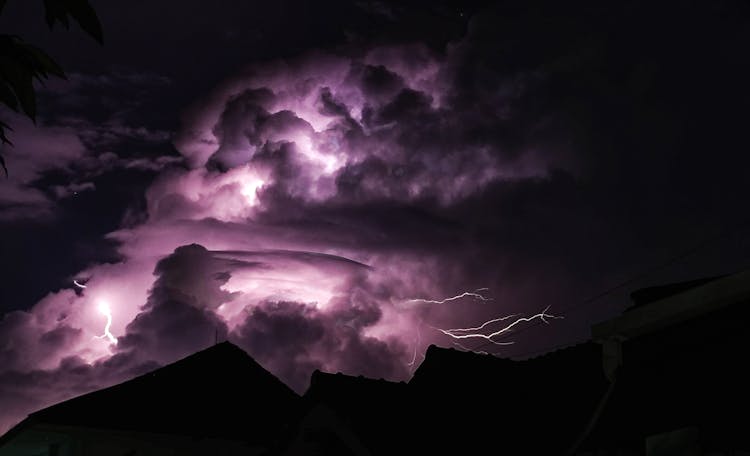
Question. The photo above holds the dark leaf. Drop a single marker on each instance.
(20, 78)
(44, 62)
(20, 65)
(86, 17)
(7, 97)
(81, 12)
(5, 140)
(54, 10)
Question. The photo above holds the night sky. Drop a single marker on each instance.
(312, 180)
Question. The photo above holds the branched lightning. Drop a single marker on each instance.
(466, 294)
(477, 294)
(475, 332)
(481, 331)
(485, 324)
(104, 309)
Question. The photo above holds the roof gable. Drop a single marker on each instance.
(200, 395)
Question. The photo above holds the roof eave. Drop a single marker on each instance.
(675, 309)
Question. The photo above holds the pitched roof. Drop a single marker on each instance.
(373, 409)
(459, 394)
(675, 304)
(218, 392)
(356, 398)
(329, 386)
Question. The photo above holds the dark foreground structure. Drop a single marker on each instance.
(667, 377)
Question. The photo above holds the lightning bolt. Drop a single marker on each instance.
(104, 310)
(476, 332)
(485, 324)
(465, 348)
(78, 284)
(413, 361)
(466, 294)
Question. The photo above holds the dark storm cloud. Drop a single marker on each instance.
(292, 339)
(553, 151)
(188, 271)
(89, 127)
(103, 98)
(380, 128)
(171, 327)
(38, 150)
(530, 155)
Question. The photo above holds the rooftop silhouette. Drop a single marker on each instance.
(191, 397)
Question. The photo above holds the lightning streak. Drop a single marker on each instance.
(78, 284)
(416, 348)
(465, 348)
(473, 333)
(485, 324)
(466, 294)
(104, 309)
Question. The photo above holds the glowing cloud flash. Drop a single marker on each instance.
(249, 189)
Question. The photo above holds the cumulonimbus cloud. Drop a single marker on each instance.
(293, 231)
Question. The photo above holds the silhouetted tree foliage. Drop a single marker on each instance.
(21, 64)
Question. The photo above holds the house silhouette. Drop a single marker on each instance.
(678, 357)
(218, 399)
